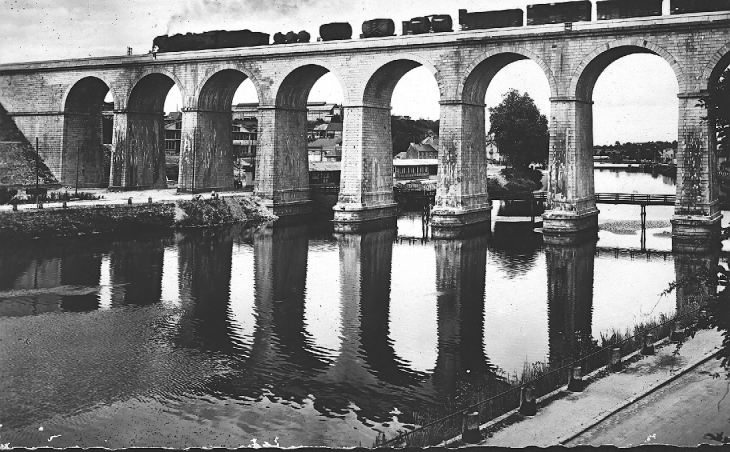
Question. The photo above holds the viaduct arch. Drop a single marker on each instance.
(44, 97)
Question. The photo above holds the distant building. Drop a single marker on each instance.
(325, 173)
(326, 130)
(245, 111)
(667, 155)
(325, 150)
(426, 149)
(245, 139)
(415, 168)
(173, 133)
(323, 110)
(419, 151)
(493, 155)
(315, 110)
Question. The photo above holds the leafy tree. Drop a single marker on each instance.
(716, 100)
(520, 130)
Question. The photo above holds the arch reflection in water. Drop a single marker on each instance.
(367, 366)
(460, 283)
(570, 298)
(45, 276)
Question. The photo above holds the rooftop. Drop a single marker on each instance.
(325, 166)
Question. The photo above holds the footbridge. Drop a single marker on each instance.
(59, 102)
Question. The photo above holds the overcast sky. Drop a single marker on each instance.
(635, 98)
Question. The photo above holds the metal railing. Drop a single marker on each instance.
(450, 426)
(635, 198)
(601, 198)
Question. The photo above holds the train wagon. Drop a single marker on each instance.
(435, 23)
(698, 6)
(335, 31)
(556, 13)
(209, 40)
(378, 28)
(490, 19)
(622, 9)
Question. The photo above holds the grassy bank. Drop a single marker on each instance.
(70, 221)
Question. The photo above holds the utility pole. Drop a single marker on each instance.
(37, 157)
(192, 184)
(77, 170)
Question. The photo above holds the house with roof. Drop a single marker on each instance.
(419, 161)
(326, 130)
(323, 111)
(325, 174)
(325, 150)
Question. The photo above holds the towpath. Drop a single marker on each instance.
(644, 403)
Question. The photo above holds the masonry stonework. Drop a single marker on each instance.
(696, 47)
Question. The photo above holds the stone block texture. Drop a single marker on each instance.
(59, 102)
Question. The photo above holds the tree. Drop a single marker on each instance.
(520, 130)
(717, 102)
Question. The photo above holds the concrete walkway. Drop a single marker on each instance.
(693, 409)
(121, 197)
(564, 419)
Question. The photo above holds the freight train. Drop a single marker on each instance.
(538, 14)
(209, 40)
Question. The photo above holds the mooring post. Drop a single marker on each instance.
(677, 334)
(528, 403)
(576, 379)
(470, 433)
(616, 359)
(647, 347)
(129, 201)
(149, 200)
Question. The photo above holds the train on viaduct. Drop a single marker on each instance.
(60, 103)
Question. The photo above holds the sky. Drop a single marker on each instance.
(635, 98)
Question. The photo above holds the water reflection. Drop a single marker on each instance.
(570, 298)
(205, 271)
(515, 246)
(231, 325)
(697, 278)
(136, 269)
(280, 266)
(460, 281)
(365, 278)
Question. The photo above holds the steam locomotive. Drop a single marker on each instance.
(538, 14)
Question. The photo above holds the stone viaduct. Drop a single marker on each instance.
(60, 102)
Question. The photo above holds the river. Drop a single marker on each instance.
(298, 336)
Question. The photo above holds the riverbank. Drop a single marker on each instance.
(563, 415)
(131, 212)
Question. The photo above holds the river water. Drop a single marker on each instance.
(298, 336)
